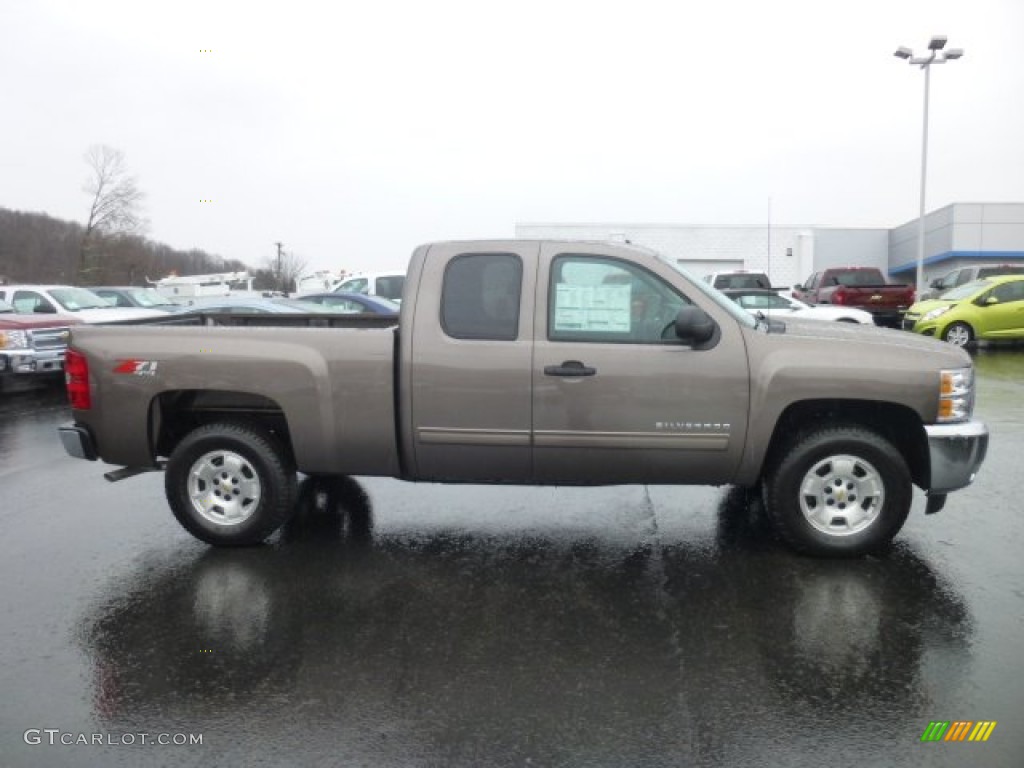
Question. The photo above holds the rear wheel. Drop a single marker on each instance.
(230, 484)
(841, 491)
(959, 334)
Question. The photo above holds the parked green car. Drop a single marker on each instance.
(991, 308)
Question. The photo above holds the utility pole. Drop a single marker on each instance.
(277, 272)
(936, 55)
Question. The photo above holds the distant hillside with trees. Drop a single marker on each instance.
(37, 248)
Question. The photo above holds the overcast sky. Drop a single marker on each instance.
(353, 131)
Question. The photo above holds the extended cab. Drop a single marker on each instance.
(861, 287)
(535, 362)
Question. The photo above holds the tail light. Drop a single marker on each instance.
(839, 296)
(76, 379)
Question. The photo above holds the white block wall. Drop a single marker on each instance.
(775, 252)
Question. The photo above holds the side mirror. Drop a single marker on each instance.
(694, 326)
(44, 309)
(990, 300)
(798, 287)
(936, 283)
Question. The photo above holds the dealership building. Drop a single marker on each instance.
(956, 235)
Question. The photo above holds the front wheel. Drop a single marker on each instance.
(841, 491)
(230, 484)
(959, 334)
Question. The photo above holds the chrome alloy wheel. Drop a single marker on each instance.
(224, 488)
(842, 495)
(958, 335)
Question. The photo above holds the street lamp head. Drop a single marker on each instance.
(938, 42)
(954, 53)
(903, 52)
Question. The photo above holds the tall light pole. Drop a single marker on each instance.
(936, 55)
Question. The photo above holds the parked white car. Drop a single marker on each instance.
(779, 306)
(69, 300)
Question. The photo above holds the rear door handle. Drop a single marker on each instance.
(569, 368)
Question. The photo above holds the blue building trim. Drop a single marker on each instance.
(950, 255)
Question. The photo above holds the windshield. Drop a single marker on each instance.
(714, 294)
(75, 299)
(966, 290)
(148, 297)
(762, 301)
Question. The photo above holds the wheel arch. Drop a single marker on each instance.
(173, 414)
(898, 424)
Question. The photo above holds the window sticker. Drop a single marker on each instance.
(592, 308)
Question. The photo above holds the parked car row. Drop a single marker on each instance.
(35, 319)
(963, 275)
(983, 302)
(988, 309)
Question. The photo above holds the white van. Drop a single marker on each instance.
(386, 284)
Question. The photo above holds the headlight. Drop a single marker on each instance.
(931, 315)
(14, 340)
(956, 394)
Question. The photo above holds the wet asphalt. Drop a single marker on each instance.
(393, 624)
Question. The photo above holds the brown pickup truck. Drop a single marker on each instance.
(535, 362)
(859, 287)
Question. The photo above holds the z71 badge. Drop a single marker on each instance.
(136, 367)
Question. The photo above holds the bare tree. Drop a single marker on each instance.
(286, 268)
(115, 209)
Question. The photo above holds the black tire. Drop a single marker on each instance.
(959, 334)
(230, 484)
(841, 491)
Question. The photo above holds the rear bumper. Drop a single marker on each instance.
(78, 442)
(956, 451)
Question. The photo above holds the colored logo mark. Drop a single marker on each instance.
(958, 730)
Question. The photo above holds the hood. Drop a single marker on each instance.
(921, 307)
(883, 347)
(12, 320)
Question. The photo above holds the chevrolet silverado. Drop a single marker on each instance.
(535, 362)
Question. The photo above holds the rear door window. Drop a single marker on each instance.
(481, 295)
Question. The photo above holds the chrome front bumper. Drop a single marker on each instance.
(956, 452)
(31, 362)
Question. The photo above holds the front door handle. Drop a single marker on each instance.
(569, 368)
